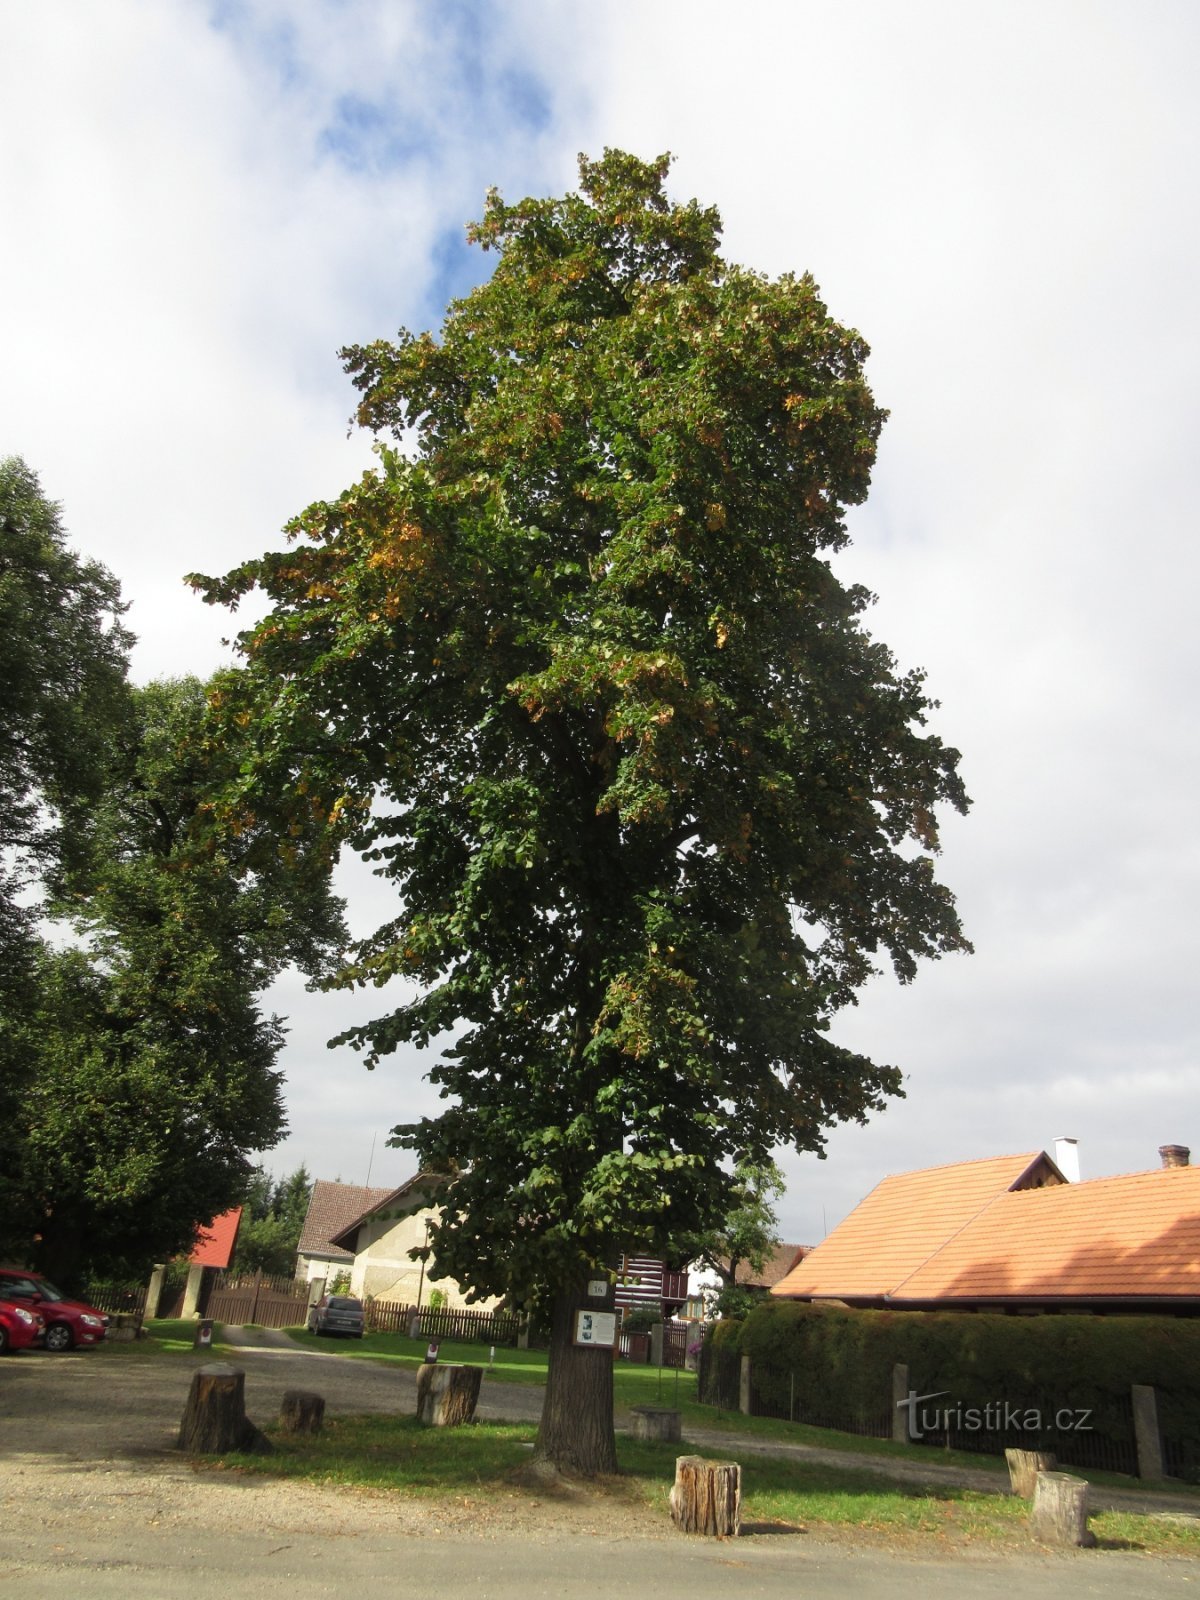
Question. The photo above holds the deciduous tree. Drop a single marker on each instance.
(573, 668)
(149, 1069)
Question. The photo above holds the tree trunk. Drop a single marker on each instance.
(447, 1393)
(707, 1497)
(1060, 1510)
(214, 1419)
(576, 1432)
(301, 1411)
(1023, 1468)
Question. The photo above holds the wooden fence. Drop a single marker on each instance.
(266, 1302)
(117, 1298)
(441, 1322)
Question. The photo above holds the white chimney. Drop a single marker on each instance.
(1066, 1158)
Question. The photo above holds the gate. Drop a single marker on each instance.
(265, 1302)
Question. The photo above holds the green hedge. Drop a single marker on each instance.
(836, 1360)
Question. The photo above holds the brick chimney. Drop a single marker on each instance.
(1175, 1155)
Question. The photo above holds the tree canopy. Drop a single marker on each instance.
(63, 660)
(137, 1071)
(573, 668)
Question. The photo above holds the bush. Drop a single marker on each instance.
(641, 1320)
(829, 1360)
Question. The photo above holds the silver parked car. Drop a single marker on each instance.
(336, 1313)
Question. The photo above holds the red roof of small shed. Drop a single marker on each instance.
(214, 1244)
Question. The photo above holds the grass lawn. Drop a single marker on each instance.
(638, 1385)
(399, 1455)
(162, 1334)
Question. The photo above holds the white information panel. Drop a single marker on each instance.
(596, 1328)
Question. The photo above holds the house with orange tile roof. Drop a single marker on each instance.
(1010, 1233)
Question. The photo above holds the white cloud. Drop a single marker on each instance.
(1001, 197)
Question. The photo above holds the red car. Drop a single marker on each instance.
(20, 1326)
(68, 1322)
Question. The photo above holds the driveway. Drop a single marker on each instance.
(94, 1499)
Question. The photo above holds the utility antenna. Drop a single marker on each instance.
(371, 1162)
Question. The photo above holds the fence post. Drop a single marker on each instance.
(901, 1410)
(191, 1294)
(656, 1345)
(744, 1387)
(1146, 1431)
(154, 1289)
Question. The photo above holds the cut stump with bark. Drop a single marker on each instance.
(655, 1422)
(301, 1411)
(214, 1419)
(1023, 1468)
(1060, 1510)
(447, 1393)
(707, 1497)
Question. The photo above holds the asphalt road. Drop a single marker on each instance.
(94, 1500)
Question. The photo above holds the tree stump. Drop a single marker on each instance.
(707, 1497)
(301, 1411)
(1023, 1468)
(214, 1419)
(1060, 1510)
(447, 1393)
(655, 1422)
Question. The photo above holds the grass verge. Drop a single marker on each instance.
(161, 1334)
(482, 1462)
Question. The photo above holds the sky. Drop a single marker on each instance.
(200, 203)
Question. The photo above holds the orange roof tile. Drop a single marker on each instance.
(214, 1244)
(1125, 1237)
(901, 1223)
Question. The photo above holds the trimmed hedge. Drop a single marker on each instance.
(835, 1360)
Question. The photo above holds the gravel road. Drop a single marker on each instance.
(94, 1498)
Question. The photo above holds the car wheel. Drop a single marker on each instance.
(58, 1336)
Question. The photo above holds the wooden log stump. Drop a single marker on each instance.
(301, 1411)
(447, 1393)
(655, 1422)
(1060, 1510)
(1023, 1468)
(707, 1497)
(214, 1419)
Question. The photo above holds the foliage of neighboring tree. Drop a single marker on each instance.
(272, 1222)
(573, 668)
(63, 661)
(150, 1071)
(746, 1234)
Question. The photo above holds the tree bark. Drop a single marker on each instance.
(301, 1411)
(1023, 1468)
(447, 1393)
(576, 1431)
(707, 1497)
(214, 1419)
(1060, 1510)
